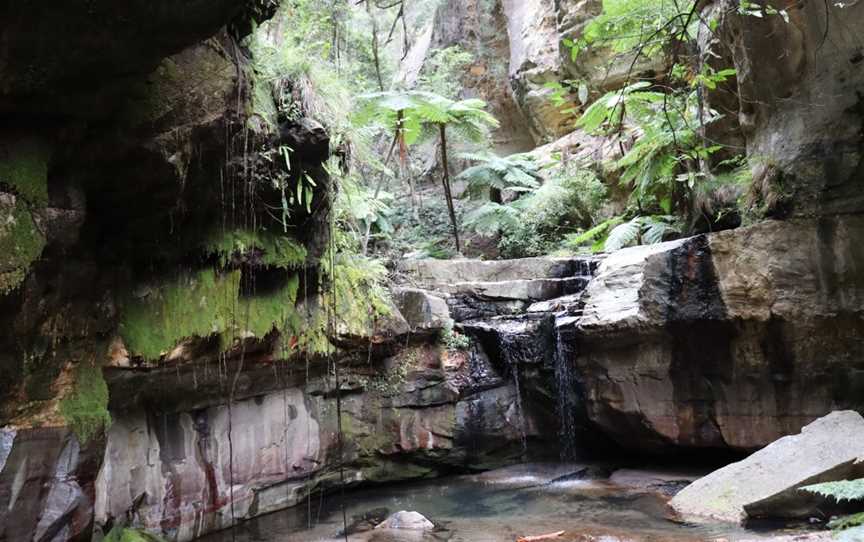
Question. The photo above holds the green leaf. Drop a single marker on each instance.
(846, 490)
(623, 235)
(846, 522)
(655, 229)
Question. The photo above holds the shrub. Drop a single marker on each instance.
(569, 201)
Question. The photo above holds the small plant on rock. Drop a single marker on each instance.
(850, 527)
(453, 340)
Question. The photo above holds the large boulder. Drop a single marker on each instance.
(423, 310)
(702, 342)
(767, 483)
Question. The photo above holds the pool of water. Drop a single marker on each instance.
(589, 503)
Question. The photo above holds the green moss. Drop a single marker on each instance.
(277, 250)
(262, 104)
(86, 408)
(125, 534)
(24, 168)
(360, 294)
(21, 244)
(202, 304)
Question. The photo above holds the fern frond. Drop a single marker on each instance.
(491, 218)
(655, 229)
(624, 235)
(845, 490)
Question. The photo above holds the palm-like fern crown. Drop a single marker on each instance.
(517, 172)
(424, 112)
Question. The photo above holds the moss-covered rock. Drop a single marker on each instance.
(24, 169)
(202, 304)
(85, 409)
(21, 242)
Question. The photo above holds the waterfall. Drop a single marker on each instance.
(566, 396)
(520, 410)
(566, 384)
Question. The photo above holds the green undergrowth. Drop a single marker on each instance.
(125, 534)
(209, 302)
(86, 408)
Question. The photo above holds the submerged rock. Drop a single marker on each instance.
(767, 483)
(409, 521)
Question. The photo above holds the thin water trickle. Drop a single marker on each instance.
(520, 411)
(567, 398)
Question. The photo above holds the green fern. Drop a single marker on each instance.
(595, 237)
(491, 218)
(624, 235)
(647, 230)
(516, 172)
(847, 522)
(630, 25)
(846, 490)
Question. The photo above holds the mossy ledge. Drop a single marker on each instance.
(21, 242)
(85, 409)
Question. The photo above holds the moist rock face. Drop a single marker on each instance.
(722, 341)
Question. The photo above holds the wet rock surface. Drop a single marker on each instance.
(702, 343)
(47, 484)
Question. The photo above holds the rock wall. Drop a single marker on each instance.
(214, 464)
(477, 26)
(799, 108)
(726, 341)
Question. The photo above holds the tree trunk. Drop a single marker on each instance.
(375, 45)
(446, 180)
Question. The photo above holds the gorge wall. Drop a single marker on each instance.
(128, 135)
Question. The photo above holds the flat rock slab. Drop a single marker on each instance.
(520, 289)
(436, 272)
(538, 474)
(825, 450)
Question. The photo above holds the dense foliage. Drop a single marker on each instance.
(340, 66)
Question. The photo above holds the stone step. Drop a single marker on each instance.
(434, 273)
(529, 290)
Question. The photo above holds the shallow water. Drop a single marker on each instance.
(501, 506)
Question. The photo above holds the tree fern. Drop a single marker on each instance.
(516, 172)
(490, 218)
(427, 114)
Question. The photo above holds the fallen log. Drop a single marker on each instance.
(540, 537)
